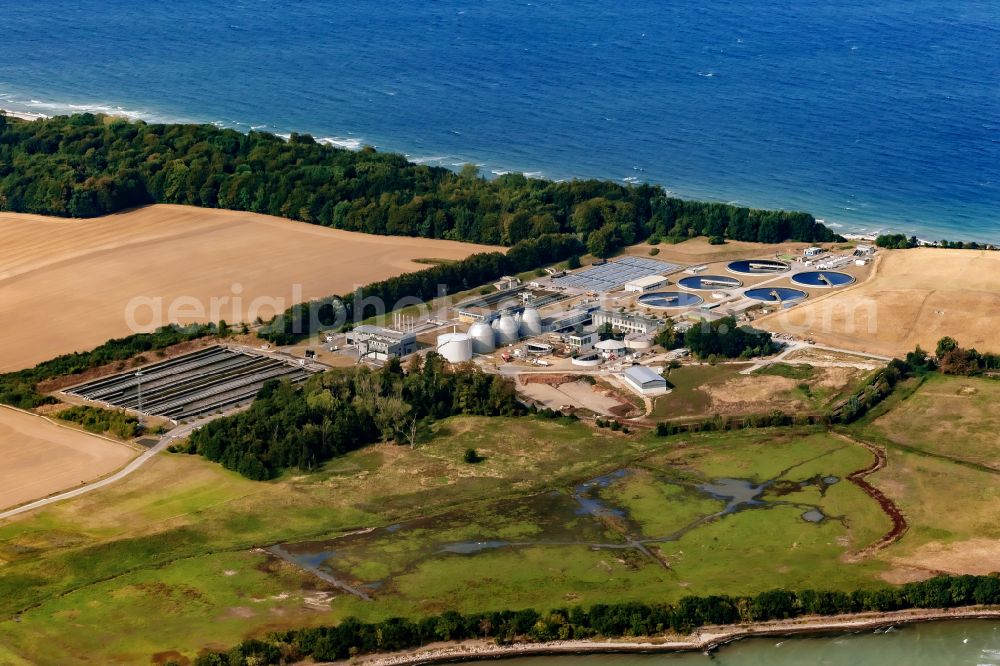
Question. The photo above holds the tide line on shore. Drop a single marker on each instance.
(705, 639)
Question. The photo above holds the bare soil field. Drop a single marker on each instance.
(69, 285)
(700, 251)
(41, 458)
(915, 297)
(558, 391)
(761, 393)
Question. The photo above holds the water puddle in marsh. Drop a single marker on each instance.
(364, 563)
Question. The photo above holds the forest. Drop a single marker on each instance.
(353, 637)
(342, 410)
(87, 165)
(724, 338)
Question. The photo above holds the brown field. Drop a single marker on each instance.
(915, 297)
(699, 251)
(41, 458)
(66, 284)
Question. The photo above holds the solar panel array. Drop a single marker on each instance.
(614, 274)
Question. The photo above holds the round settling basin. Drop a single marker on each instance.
(757, 267)
(670, 299)
(775, 294)
(823, 279)
(709, 282)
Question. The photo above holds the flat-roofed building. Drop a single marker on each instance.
(644, 380)
(381, 343)
(644, 284)
(625, 321)
(581, 342)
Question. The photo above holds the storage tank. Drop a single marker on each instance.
(506, 329)
(455, 347)
(483, 338)
(531, 323)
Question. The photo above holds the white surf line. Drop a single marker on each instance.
(145, 457)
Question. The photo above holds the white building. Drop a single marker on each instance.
(644, 380)
(812, 251)
(644, 284)
(581, 342)
(624, 321)
(381, 343)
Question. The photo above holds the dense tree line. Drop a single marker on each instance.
(955, 360)
(18, 388)
(724, 338)
(632, 619)
(342, 410)
(86, 165)
(97, 420)
(901, 242)
(338, 311)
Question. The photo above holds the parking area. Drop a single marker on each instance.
(189, 386)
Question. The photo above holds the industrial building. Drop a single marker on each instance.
(381, 343)
(625, 321)
(581, 342)
(608, 276)
(812, 251)
(644, 380)
(644, 284)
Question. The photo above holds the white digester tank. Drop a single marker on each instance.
(455, 347)
(483, 338)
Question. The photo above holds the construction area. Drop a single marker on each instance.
(186, 387)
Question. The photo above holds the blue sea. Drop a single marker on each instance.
(871, 115)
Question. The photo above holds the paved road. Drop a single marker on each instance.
(179, 432)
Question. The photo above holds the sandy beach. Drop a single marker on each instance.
(705, 639)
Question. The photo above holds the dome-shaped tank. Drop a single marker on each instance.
(531, 323)
(455, 347)
(506, 329)
(483, 339)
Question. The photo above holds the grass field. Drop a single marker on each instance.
(176, 541)
(186, 257)
(954, 417)
(41, 458)
(915, 297)
(704, 390)
(942, 449)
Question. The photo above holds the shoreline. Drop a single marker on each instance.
(852, 229)
(706, 639)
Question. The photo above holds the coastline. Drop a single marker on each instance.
(705, 639)
(23, 115)
(855, 229)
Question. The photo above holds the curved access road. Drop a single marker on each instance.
(165, 441)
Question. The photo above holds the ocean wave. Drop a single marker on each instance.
(427, 160)
(348, 143)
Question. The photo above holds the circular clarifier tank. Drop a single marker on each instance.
(823, 279)
(775, 294)
(709, 282)
(757, 267)
(670, 299)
